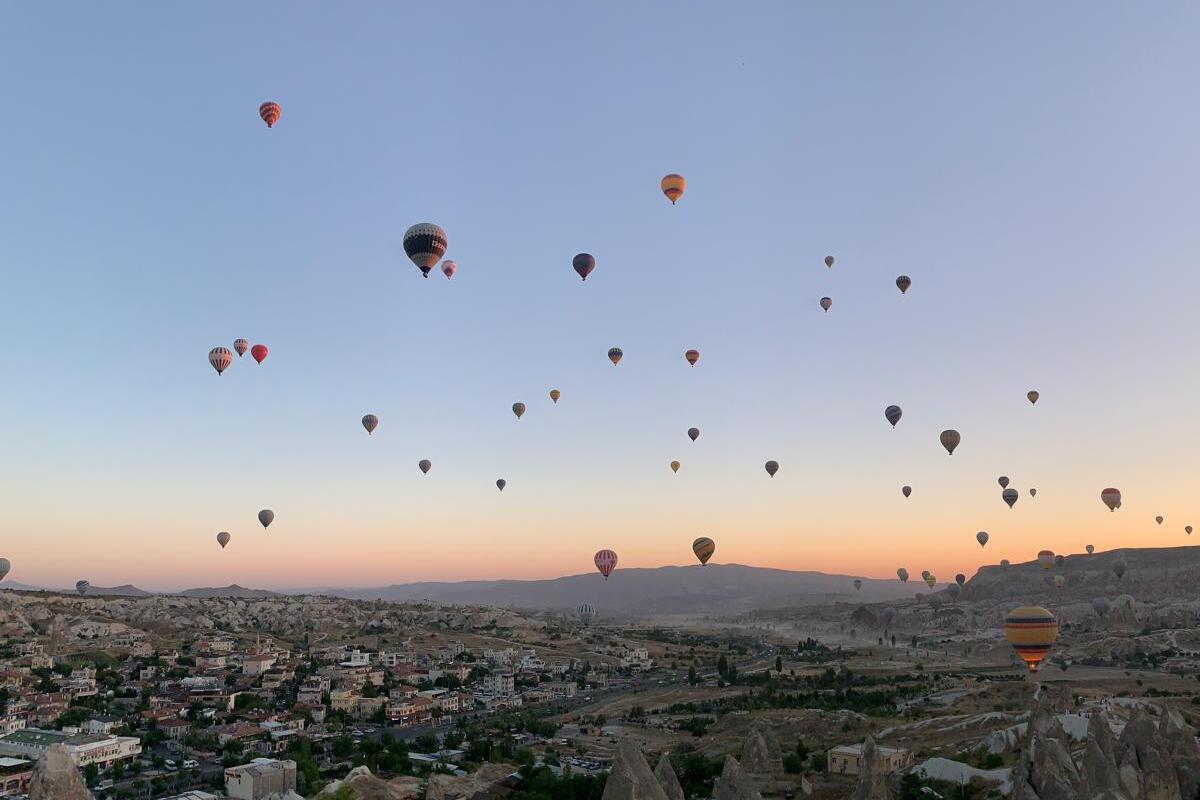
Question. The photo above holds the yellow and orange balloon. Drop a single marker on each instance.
(673, 187)
(1032, 631)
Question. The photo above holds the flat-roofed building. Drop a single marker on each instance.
(84, 748)
(260, 778)
(15, 775)
(846, 759)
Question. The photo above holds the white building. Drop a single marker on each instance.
(260, 778)
(84, 748)
(637, 658)
(498, 684)
(846, 759)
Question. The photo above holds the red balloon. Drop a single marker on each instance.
(606, 562)
(269, 111)
(259, 351)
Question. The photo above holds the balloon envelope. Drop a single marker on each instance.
(903, 282)
(1003, 481)
(266, 517)
(223, 539)
(270, 113)
(220, 358)
(425, 465)
(241, 346)
(1100, 605)
(1046, 558)
(829, 261)
(1159, 520)
(673, 186)
(902, 574)
(615, 354)
(960, 579)
(1033, 492)
(1033, 396)
(501, 483)
(449, 268)
(1060, 581)
(930, 581)
(554, 395)
(5, 567)
(892, 414)
(370, 422)
(1031, 630)
(583, 264)
(424, 244)
(692, 356)
(1119, 569)
(1111, 498)
(1091, 548)
(826, 303)
(1009, 496)
(982, 538)
(772, 467)
(518, 409)
(950, 439)
(606, 562)
(693, 433)
(704, 548)
(857, 585)
(82, 586)
(674, 466)
(259, 352)
(906, 490)
(586, 612)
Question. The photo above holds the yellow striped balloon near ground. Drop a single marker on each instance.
(704, 548)
(1031, 630)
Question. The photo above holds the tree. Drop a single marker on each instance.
(91, 774)
(779, 664)
(722, 665)
(693, 678)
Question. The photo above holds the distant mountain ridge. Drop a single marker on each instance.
(232, 590)
(722, 588)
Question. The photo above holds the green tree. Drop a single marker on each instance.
(91, 774)
(779, 664)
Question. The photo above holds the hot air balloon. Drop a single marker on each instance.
(902, 574)
(1159, 520)
(1111, 498)
(424, 244)
(1033, 397)
(1100, 605)
(925, 573)
(673, 186)
(270, 111)
(586, 612)
(606, 562)
(1125, 601)
(425, 465)
(889, 614)
(693, 433)
(1031, 630)
(370, 422)
(954, 590)
(614, 355)
(501, 483)
(950, 440)
(1033, 492)
(982, 538)
(241, 346)
(82, 586)
(903, 282)
(449, 268)
(1059, 560)
(1046, 558)
(772, 467)
(1091, 548)
(554, 395)
(5, 567)
(583, 264)
(266, 517)
(829, 261)
(857, 585)
(1009, 496)
(223, 539)
(1119, 569)
(1005, 563)
(674, 466)
(1187, 529)
(220, 358)
(692, 356)
(704, 548)
(1003, 481)
(930, 580)
(826, 303)
(960, 579)
(906, 490)
(920, 596)
(259, 352)
(892, 414)
(1059, 581)
(518, 409)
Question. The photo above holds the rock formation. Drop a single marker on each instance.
(1147, 769)
(630, 777)
(667, 779)
(1099, 777)
(57, 778)
(451, 787)
(760, 754)
(365, 786)
(1185, 752)
(734, 783)
(872, 775)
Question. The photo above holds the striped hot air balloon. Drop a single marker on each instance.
(1046, 558)
(424, 244)
(673, 186)
(902, 574)
(82, 586)
(241, 346)
(586, 612)
(370, 422)
(1031, 630)
(220, 358)
(270, 113)
(583, 264)
(903, 282)
(1111, 498)
(615, 354)
(606, 562)
(704, 548)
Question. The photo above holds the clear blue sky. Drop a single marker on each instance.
(1032, 168)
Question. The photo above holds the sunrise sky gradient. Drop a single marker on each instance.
(1034, 169)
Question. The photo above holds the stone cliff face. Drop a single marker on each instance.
(56, 778)
(667, 779)
(630, 777)
(872, 778)
(734, 783)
